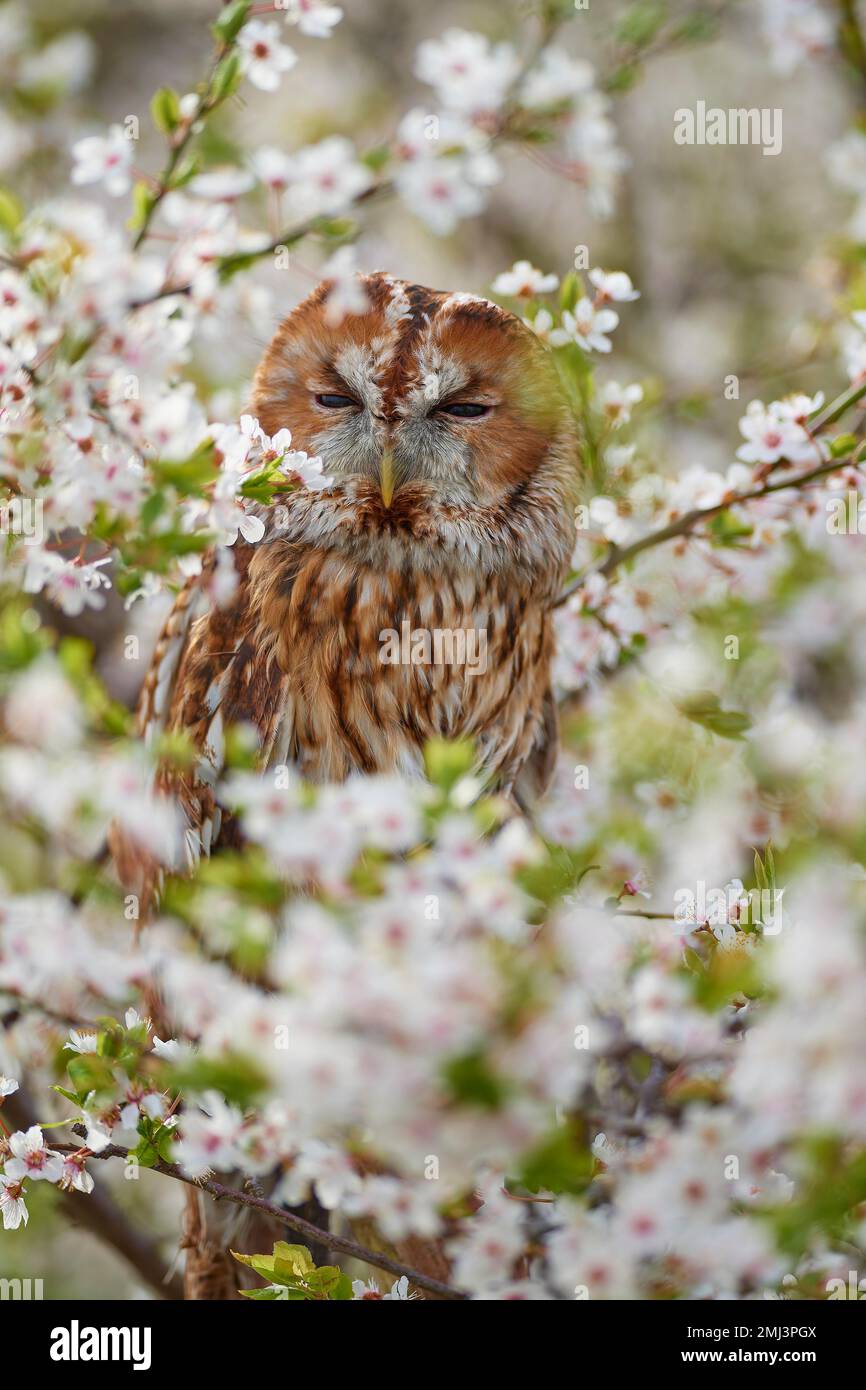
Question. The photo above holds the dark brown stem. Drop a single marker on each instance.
(286, 1218)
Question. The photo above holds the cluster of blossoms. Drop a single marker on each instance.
(94, 411)
(429, 1019)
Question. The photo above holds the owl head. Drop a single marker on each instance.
(426, 406)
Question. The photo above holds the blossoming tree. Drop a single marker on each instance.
(614, 1052)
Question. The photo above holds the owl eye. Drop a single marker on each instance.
(464, 410)
(337, 402)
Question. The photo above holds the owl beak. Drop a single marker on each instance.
(386, 477)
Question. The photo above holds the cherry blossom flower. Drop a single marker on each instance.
(272, 167)
(327, 177)
(347, 296)
(588, 326)
(794, 29)
(616, 401)
(468, 72)
(315, 18)
(442, 192)
(71, 586)
(557, 77)
(542, 325)
(210, 1137)
(12, 1203)
(613, 284)
(221, 185)
(263, 56)
(771, 434)
(31, 1159)
(104, 159)
(370, 1291)
(75, 1176)
(523, 281)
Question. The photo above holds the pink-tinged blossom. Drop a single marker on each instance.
(264, 57)
(613, 284)
(315, 18)
(12, 1203)
(588, 326)
(105, 159)
(524, 281)
(210, 1137)
(467, 71)
(31, 1159)
(327, 177)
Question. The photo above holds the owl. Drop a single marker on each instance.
(411, 599)
(408, 600)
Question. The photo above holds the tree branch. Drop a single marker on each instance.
(219, 1191)
(685, 524)
(98, 1213)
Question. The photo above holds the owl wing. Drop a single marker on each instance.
(213, 667)
(536, 774)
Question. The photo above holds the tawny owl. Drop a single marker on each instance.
(453, 456)
(454, 464)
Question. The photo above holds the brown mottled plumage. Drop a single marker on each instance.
(476, 535)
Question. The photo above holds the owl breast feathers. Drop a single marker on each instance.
(411, 598)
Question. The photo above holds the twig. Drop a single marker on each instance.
(99, 1214)
(686, 523)
(179, 141)
(286, 1218)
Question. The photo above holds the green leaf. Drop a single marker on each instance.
(336, 228)
(236, 1077)
(843, 444)
(641, 23)
(226, 79)
(446, 762)
(11, 211)
(230, 20)
(705, 709)
(145, 1153)
(472, 1081)
(570, 289)
(726, 529)
(297, 1257)
(143, 200)
(376, 159)
(191, 475)
(165, 110)
(229, 266)
(561, 1163)
(553, 877)
(152, 508)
